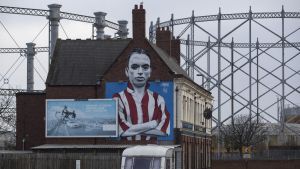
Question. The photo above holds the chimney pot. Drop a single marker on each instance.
(141, 6)
(138, 23)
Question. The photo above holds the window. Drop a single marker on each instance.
(201, 114)
(168, 164)
(128, 163)
(142, 163)
(156, 163)
(191, 111)
(184, 108)
(187, 109)
(198, 114)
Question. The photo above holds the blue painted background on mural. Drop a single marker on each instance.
(163, 88)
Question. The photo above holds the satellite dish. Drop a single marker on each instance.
(207, 113)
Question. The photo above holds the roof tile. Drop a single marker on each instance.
(83, 62)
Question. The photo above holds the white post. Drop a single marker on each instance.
(77, 164)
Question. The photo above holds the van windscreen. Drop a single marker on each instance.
(142, 163)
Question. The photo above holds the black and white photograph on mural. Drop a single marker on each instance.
(81, 118)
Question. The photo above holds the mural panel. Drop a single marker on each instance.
(81, 118)
(145, 109)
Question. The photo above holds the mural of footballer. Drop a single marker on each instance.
(142, 113)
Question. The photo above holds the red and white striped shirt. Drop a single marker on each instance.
(134, 111)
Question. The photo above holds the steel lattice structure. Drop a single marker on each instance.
(54, 15)
(63, 15)
(22, 50)
(264, 88)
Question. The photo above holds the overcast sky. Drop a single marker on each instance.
(24, 28)
(117, 9)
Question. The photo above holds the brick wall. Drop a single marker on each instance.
(30, 120)
(73, 92)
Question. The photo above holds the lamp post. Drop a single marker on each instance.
(207, 115)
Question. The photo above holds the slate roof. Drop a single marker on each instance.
(170, 62)
(83, 62)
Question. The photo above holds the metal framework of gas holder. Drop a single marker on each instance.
(54, 15)
(244, 76)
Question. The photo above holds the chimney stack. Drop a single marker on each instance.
(175, 49)
(169, 44)
(138, 23)
(163, 39)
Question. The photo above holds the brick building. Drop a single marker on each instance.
(81, 69)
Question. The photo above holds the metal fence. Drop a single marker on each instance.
(60, 161)
(264, 155)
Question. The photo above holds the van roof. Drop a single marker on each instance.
(150, 150)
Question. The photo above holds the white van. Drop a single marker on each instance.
(152, 157)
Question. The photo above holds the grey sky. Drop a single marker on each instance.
(25, 28)
(121, 9)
